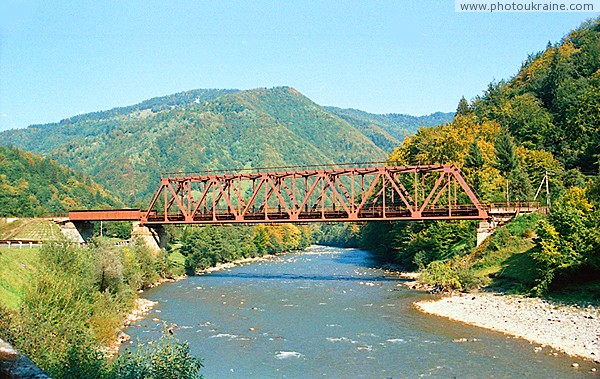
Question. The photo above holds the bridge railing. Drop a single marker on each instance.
(514, 204)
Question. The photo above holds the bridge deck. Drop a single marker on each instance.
(106, 215)
(327, 216)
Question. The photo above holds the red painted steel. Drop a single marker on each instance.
(106, 215)
(364, 192)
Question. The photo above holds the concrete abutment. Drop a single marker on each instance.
(81, 232)
(154, 236)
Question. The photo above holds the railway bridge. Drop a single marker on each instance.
(337, 193)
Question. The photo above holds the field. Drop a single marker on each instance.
(29, 229)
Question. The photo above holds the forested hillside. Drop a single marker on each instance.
(544, 119)
(553, 102)
(397, 126)
(33, 186)
(126, 149)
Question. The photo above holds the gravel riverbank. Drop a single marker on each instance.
(571, 329)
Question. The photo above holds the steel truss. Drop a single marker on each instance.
(372, 192)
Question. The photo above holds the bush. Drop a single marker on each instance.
(569, 241)
(165, 359)
(454, 274)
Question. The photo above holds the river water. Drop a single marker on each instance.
(327, 312)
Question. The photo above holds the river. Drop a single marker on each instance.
(327, 312)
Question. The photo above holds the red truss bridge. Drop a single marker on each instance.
(354, 192)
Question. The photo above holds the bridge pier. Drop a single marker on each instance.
(77, 231)
(486, 228)
(80, 232)
(154, 236)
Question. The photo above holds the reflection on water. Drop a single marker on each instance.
(328, 312)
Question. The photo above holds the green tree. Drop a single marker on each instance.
(108, 265)
(261, 240)
(463, 108)
(475, 162)
(506, 160)
(569, 241)
(522, 190)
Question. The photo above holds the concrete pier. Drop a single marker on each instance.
(155, 236)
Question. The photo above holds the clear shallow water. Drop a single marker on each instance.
(327, 313)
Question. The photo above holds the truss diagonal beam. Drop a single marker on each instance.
(372, 192)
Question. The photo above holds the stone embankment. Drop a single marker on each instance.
(16, 366)
(574, 330)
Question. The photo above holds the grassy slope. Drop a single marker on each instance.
(504, 263)
(504, 260)
(17, 266)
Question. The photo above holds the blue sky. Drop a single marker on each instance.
(62, 58)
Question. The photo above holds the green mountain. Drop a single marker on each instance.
(126, 149)
(381, 128)
(34, 186)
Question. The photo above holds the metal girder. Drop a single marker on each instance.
(362, 193)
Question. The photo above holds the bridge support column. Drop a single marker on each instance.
(154, 236)
(485, 229)
(78, 231)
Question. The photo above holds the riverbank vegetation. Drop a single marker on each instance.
(74, 299)
(62, 305)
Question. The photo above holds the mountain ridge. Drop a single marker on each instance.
(126, 149)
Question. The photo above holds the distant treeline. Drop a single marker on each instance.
(205, 247)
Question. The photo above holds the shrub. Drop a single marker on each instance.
(166, 359)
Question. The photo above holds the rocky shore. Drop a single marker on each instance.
(574, 330)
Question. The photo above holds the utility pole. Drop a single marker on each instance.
(544, 179)
(547, 189)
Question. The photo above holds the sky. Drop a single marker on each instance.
(63, 58)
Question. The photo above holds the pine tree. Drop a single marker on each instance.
(505, 155)
(474, 159)
(463, 108)
(475, 162)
